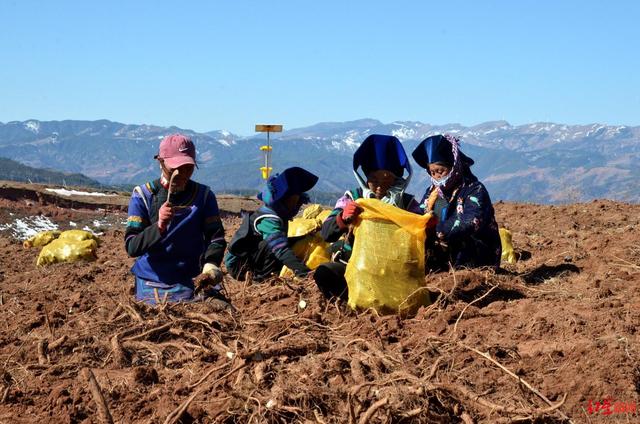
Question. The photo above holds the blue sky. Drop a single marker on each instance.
(208, 65)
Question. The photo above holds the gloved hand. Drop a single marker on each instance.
(350, 212)
(214, 271)
(165, 215)
(211, 276)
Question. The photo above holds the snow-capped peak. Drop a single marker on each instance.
(33, 126)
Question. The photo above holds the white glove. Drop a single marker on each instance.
(214, 271)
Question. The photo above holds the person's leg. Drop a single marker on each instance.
(236, 267)
(438, 258)
(263, 263)
(153, 293)
(330, 280)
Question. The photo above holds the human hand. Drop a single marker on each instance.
(165, 215)
(210, 277)
(351, 212)
(214, 271)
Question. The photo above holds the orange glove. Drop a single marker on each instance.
(350, 212)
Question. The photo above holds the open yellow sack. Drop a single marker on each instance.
(70, 246)
(386, 269)
(42, 238)
(311, 249)
(508, 255)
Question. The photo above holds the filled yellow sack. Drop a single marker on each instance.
(508, 255)
(42, 238)
(311, 249)
(312, 218)
(77, 235)
(386, 268)
(314, 210)
(61, 250)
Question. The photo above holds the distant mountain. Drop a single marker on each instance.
(539, 162)
(13, 171)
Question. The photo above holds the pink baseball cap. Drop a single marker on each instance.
(177, 150)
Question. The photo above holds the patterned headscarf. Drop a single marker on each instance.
(446, 184)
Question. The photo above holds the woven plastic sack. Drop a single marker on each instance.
(508, 255)
(311, 249)
(42, 238)
(312, 218)
(386, 268)
(61, 250)
(77, 235)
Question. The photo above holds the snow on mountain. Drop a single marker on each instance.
(522, 162)
(33, 126)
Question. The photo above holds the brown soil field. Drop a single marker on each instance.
(551, 339)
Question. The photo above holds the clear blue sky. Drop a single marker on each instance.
(208, 65)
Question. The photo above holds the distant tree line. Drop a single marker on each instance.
(15, 171)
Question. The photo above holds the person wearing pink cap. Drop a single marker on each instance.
(175, 231)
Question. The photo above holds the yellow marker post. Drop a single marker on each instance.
(268, 128)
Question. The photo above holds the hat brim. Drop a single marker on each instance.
(178, 161)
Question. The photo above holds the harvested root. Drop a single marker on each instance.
(119, 357)
(57, 343)
(43, 359)
(98, 398)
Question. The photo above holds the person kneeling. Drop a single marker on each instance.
(175, 232)
(261, 245)
(467, 233)
(388, 172)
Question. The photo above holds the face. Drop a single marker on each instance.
(181, 179)
(380, 181)
(291, 202)
(438, 171)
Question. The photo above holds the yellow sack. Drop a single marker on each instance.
(386, 268)
(508, 255)
(301, 227)
(61, 250)
(42, 238)
(77, 235)
(312, 249)
(312, 218)
(312, 211)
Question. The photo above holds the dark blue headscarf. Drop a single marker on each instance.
(445, 150)
(289, 182)
(381, 152)
(439, 149)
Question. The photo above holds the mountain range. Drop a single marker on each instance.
(539, 162)
(14, 171)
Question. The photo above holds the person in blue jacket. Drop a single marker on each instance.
(261, 246)
(174, 230)
(387, 173)
(466, 234)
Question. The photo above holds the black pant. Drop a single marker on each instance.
(262, 263)
(330, 280)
